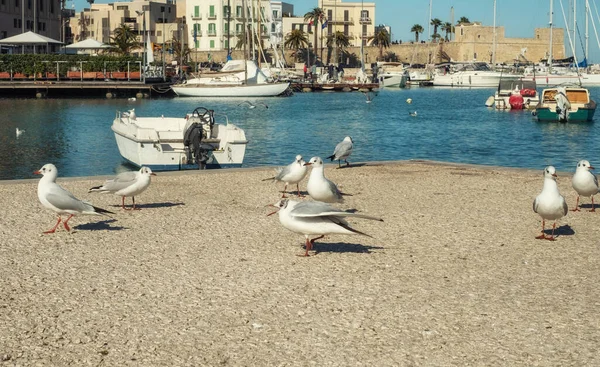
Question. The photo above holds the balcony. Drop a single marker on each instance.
(365, 20)
(212, 32)
(198, 33)
(196, 16)
(366, 35)
(341, 20)
(211, 16)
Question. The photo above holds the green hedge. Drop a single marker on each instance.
(28, 64)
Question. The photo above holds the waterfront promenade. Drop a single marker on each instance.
(202, 277)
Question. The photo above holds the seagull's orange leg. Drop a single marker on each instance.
(593, 209)
(56, 226)
(284, 190)
(577, 205)
(543, 235)
(299, 194)
(133, 198)
(123, 203)
(66, 225)
(551, 238)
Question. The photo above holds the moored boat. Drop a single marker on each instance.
(196, 141)
(516, 94)
(565, 104)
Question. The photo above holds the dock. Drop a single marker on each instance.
(337, 87)
(70, 88)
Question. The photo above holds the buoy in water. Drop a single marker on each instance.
(490, 101)
(409, 100)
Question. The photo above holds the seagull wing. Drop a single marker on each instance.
(535, 205)
(319, 209)
(343, 149)
(64, 200)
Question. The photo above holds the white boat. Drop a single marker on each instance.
(231, 81)
(469, 75)
(196, 141)
(391, 74)
(516, 94)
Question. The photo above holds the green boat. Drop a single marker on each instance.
(574, 105)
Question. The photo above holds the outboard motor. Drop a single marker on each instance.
(562, 104)
(192, 138)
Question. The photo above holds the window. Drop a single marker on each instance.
(364, 14)
(275, 14)
(17, 3)
(309, 30)
(212, 43)
(196, 11)
(226, 44)
(211, 11)
(475, 56)
(272, 27)
(225, 27)
(329, 14)
(329, 29)
(169, 10)
(29, 4)
(346, 30)
(158, 33)
(461, 31)
(238, 11)
(122, 7)
(20, 24)
(52, 6)
(346, 16)
(16, 23)
(162, 9)
(196, 44)
(212, 29)
(226, 11)
(238, 28)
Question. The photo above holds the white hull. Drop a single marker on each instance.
(391, 80)
(228, 90)
(471, 79)
(586, 80)
(158, 143)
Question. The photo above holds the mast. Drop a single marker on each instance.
(334, 24)
(362, 51)
(587, 15)
(244, 10)
(574, 23)
(494, 44)
(258, 30)
(429, 23)
(550, 51)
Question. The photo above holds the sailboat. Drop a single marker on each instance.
(564, 103)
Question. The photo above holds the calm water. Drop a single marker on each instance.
(452, 125)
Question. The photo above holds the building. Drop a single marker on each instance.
(386, 28)
(39, 16)
(279, 10)
(355, 19)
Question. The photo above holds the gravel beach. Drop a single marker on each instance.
(200, 276)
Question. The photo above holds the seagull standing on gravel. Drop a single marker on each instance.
(291, 174)
(585, 183)
(342, 151)
(550, 204)
(319, 187)
(313, 218)
(54, 197)
(127, 184)
(252, 105)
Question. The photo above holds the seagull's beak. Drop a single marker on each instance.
(271, 205)
(554, 175)
(307, 164)
(153, 174)
(37, 172)
(591, 167)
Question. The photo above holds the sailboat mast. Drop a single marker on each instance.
(429, 22)
(574, 23)
(494, 44)
(258, 30)
(550, 51)
(244, 11)
(587, 41)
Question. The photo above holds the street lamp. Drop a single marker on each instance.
(142, 14)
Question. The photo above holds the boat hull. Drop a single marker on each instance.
(545, 114)
(469, 80)
(246, 90)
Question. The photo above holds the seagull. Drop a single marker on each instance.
(127, 184)
(550, 204)
(342, 151)
(132, 99)
(413, 114)
(19, 132)
(54, 197)
(409, 100)
(131, 114)
(316, 218)
(319, 187)
(293, 173)
(369, 94)
(251, 105)
(585, 183)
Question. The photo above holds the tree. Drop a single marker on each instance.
(339, 40)
(124, 40)
(448, 28)
(382, 40)
(315, 16)
(417, 29)
(179, 53)
(463, 20)
(295, 40)
(436, 23)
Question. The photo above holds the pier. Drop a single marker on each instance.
(337, 87)
(69, 88)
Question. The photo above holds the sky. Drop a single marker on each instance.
(519, 17)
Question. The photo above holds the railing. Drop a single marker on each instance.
(197, 16)
(211, 16)
(365, 20)
(212, 32)
(341, 20)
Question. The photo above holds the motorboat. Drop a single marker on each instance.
(565, 104)
(516, 95)
(201, 139)
(234, 80)
(391, 74)
(470, 75)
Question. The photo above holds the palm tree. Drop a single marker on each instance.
(242, 39)
(179, 53)
(315, 16)
(436, 23)
(339, 40)
(463, 20)
(448, 28)
(296, 39)
(417, 29)
(124, 40)
(382, 40)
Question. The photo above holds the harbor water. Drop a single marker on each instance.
(451, 125)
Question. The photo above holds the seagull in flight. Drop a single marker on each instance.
(252, 105)
(370, 95)
(413, 114)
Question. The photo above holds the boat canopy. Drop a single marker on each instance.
(510, 85)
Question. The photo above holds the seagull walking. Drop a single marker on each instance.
(19, 132)
(550, 204)
(54, 197)
(319, 187)
(293, 173)
(585, 183)
(342, 151)
(252, 105)
(313, 218)
(127, 184)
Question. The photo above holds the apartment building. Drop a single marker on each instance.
(355, 19)
(39, 16)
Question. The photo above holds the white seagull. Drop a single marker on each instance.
(319, 187)
(252, 105)
(127, 184)
(550, 204)
(413, 114)
(293, 173)
(313, 218)
(342, 151)
(585, 183)
(19, 132)
(54, 197)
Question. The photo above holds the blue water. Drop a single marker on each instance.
(451, 125)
